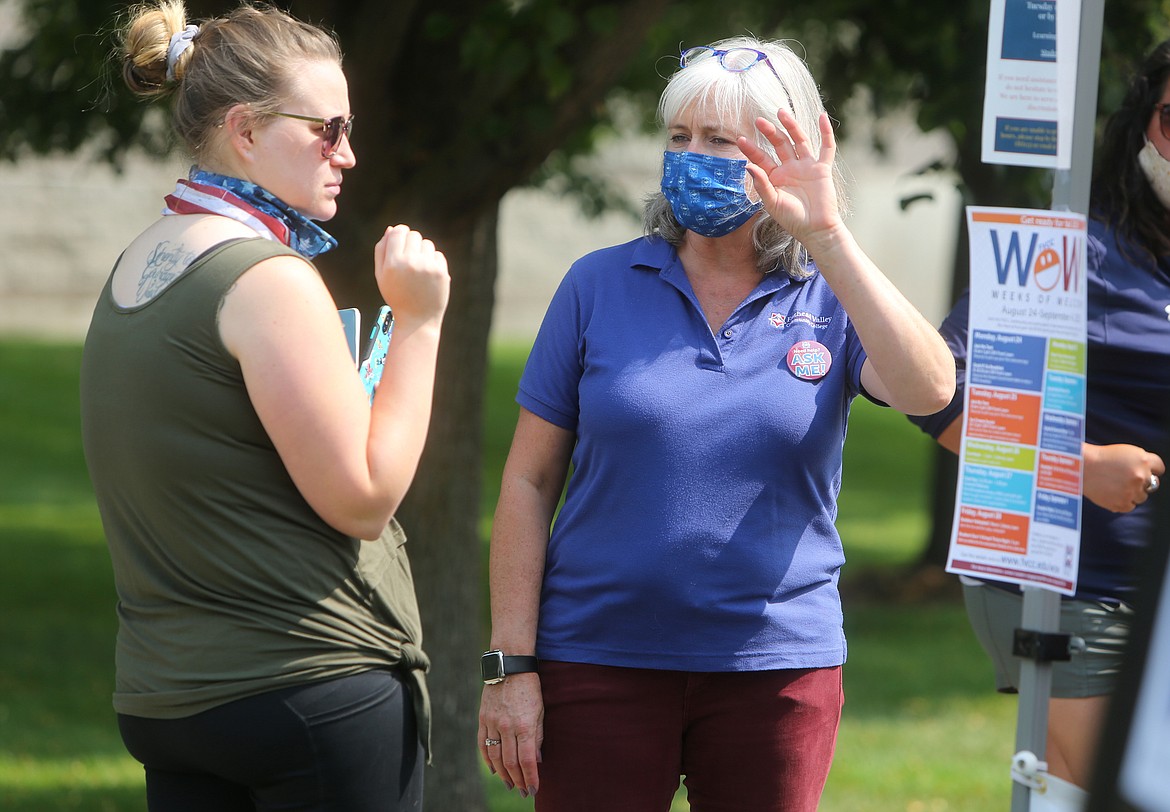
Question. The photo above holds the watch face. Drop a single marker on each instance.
(492, 666)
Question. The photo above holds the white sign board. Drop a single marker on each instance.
(1031, 82)
(1018, 505)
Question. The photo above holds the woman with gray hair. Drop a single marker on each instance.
(682, 617)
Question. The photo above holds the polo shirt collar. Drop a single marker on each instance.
(656, 254)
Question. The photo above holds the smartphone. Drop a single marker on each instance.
(370, 369)
(351, 323)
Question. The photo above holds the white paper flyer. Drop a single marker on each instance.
(1018, 506)
(1030, 90)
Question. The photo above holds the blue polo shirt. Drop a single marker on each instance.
(1128, 398)
(697, 532)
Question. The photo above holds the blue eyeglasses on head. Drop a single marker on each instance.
(736, 60)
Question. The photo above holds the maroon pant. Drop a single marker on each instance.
(619, 738)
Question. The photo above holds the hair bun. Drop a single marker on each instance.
(150, 38)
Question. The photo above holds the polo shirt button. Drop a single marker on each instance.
(727, 333)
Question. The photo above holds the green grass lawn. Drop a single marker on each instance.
(922, 730)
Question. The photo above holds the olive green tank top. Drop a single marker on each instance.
(228, 583)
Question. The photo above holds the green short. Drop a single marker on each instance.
(995, 615)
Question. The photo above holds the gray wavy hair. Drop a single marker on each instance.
(741, 97)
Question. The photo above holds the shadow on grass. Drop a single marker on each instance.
(74, 799)
(57, 623)
(921, 655)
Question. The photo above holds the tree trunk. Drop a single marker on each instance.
(441, 517)
(441, 511)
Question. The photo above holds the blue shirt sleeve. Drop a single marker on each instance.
(954, 332)
(856, 358)
(549, 385)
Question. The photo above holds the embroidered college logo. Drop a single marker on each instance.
(800, 317)
(811, 319)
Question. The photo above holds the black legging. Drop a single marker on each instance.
(344, 745)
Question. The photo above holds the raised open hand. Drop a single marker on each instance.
(796, 188)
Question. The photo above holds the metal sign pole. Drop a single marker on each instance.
(1041, 615)
(1041, 610)
(1070, 187)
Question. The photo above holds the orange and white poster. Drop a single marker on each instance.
(1018, 506)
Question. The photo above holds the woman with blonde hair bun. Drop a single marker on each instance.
(269, 645)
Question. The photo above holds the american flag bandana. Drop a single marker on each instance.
(247, 203)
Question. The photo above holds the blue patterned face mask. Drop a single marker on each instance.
(706, 192)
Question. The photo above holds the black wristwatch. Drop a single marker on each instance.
(496, 666)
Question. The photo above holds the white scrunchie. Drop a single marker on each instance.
(179, 43)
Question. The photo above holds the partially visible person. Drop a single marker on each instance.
(1127, 418)
(267, 657)
(684, 617)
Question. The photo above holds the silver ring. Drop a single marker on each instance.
(1153, 484)
(490, 742)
